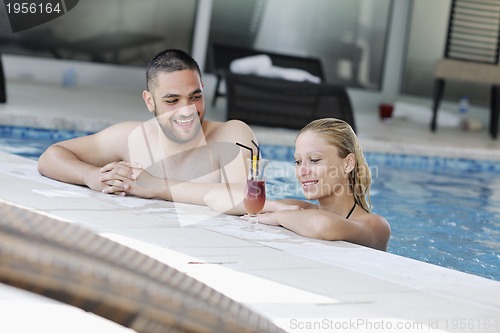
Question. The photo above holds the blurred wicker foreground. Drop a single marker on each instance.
(71, 264)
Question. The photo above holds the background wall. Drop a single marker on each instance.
(345, 35)
(401, 67)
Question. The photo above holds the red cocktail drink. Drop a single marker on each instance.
(255, 196)
(255, 190)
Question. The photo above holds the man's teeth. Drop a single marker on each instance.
(185, 121)
(309, 183)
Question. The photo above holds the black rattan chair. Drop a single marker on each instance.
(220, 57)
(279, 103)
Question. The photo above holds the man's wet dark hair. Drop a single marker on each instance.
(171, 60)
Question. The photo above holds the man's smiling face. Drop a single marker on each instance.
(178, 103)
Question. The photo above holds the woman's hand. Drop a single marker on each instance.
(265, 218)
(271, 218)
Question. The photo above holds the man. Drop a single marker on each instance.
(176, 156)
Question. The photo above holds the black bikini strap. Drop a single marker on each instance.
(352, 210)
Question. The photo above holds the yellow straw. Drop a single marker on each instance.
(254, 164)
(256, 157)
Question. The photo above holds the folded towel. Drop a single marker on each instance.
(251, 65)
(262, 65)
(291, 74)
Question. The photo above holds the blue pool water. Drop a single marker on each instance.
(443, 211)
(31, 142)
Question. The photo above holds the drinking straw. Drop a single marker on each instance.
(255, 158)
(251, 150)
(252, 167)
(258, 149)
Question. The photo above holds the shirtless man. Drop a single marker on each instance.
(176, 156)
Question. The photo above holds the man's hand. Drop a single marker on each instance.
(149, 187)
(117, 177)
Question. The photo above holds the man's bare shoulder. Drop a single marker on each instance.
(117, 131)
(231, 130)
(111, 136)
(125, 126)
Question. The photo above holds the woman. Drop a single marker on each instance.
(331, 169)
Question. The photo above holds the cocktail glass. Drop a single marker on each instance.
(255, 190)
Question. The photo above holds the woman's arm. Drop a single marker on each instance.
(218, 198)
(287, 204)
(369, 230)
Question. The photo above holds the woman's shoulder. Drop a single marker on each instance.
(379, 227)
(375, 221)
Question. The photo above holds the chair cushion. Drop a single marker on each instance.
(459, 70)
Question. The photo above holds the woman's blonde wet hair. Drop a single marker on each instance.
(340, 134)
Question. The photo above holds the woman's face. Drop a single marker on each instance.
(318, 167)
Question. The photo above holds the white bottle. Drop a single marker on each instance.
(69, 78)
(463, 107)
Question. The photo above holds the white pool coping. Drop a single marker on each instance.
(294, 281)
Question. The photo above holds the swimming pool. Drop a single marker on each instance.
(443, 211)
(31, 142)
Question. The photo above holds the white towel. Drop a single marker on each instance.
(251, 65)
(262, 65)
(291, 74)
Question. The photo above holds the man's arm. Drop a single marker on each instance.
(225, 195)
(79, 160)
(228, 196)
(148, 186)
